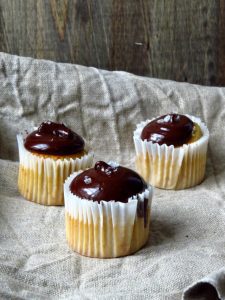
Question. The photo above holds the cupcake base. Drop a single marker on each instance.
(191, 172)
(36, 186)
(106, 240)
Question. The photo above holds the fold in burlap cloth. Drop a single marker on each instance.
(187, 239)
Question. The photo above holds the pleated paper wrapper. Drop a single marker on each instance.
(41, 179)
(171, 167)
(105, 229)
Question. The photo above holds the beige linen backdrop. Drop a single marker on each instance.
(187, 239)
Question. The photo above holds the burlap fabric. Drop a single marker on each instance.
(187, 239)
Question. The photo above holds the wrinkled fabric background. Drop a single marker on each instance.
(187, 228)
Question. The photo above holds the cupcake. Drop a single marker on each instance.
(47, 157)
(107, 211)
(171, 151)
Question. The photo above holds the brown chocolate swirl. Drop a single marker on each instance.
(54, 139)
(171, 129)
(107, 182)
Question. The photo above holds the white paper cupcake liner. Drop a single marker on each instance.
(105, 229)
(41, 179)
(171, 167)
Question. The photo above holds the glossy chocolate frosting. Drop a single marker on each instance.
(54, 139)
(171, 129)
(107, 182)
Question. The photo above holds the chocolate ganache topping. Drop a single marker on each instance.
(54, 139)
(171, 129)
(107, 182)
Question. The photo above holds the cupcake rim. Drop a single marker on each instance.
(20, 138)
(147, 193)
(202, 139)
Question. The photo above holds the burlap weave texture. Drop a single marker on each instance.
(187, 228)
